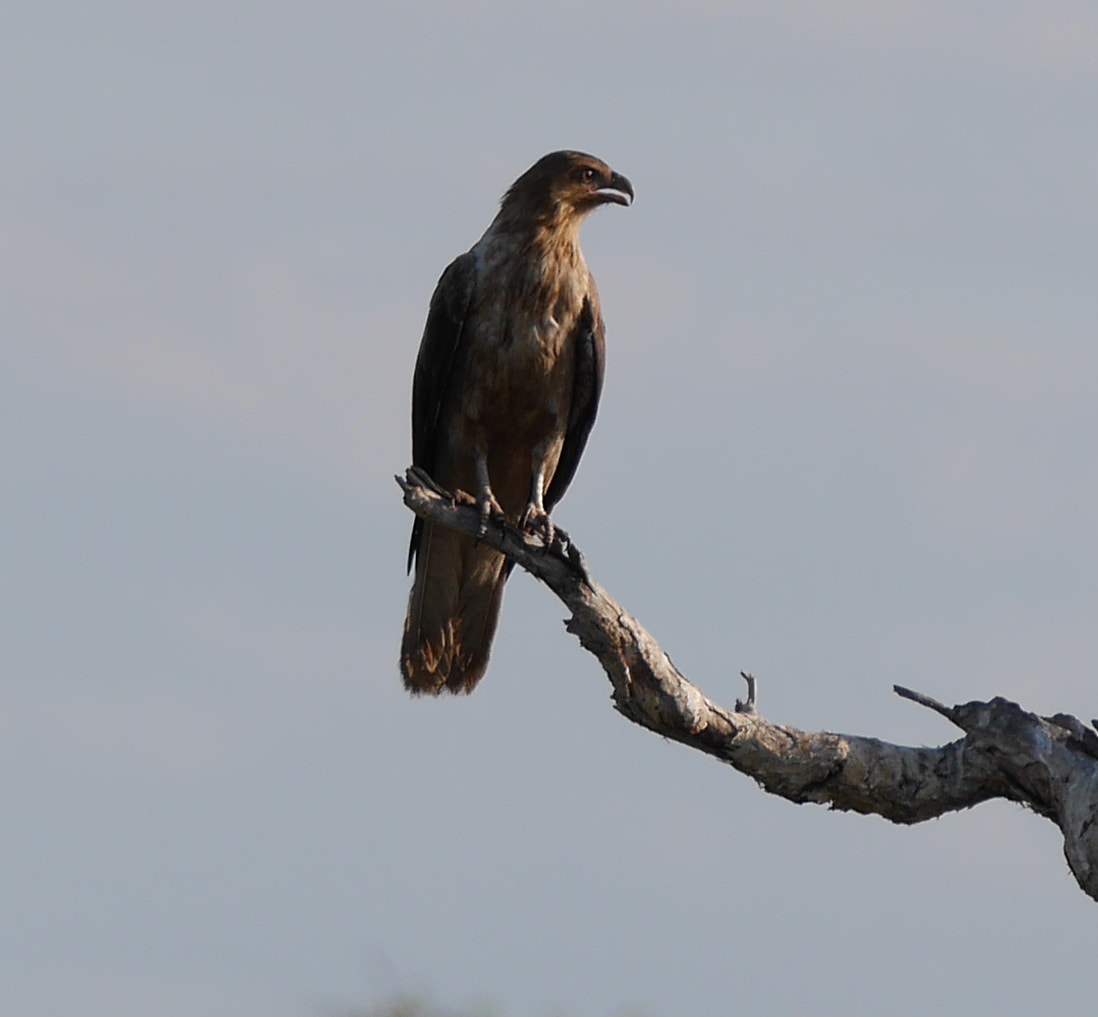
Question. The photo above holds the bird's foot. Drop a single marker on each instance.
(488, 507)
(535, 521)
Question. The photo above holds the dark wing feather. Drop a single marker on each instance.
(590, 350)
(439, 353)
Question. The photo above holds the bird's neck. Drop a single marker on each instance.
(546, 228)
(548, 242)
(542, 263)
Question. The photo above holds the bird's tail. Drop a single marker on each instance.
(452, 613)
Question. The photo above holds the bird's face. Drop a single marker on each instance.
(565, 186)
(587, 182)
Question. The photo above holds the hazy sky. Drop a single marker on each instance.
(847, 439)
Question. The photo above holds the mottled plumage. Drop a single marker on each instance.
(506, 389)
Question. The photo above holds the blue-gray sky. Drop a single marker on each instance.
(847, 439)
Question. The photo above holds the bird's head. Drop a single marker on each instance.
(564, 186)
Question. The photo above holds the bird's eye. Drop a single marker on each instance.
(587, 174)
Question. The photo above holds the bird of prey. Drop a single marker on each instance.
(506, 388)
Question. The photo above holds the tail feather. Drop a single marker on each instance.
(452, 613)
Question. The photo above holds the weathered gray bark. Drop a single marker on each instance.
(1049, 764)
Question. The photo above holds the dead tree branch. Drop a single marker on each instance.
(1049, 764)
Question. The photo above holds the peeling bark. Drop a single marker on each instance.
(1049, 764)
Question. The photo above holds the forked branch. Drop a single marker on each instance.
(1049, 764)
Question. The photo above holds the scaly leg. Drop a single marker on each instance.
(486, 501)
(535, 518)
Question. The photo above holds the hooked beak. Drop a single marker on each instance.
(619, 191)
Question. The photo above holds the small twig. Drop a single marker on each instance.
(752, 688)
(925, 700)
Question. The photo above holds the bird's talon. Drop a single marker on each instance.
(488, 508)
(536, 522)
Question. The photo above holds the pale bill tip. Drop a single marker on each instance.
(613, 194)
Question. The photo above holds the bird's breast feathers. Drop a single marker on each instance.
(520, 373)
(520, 358)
